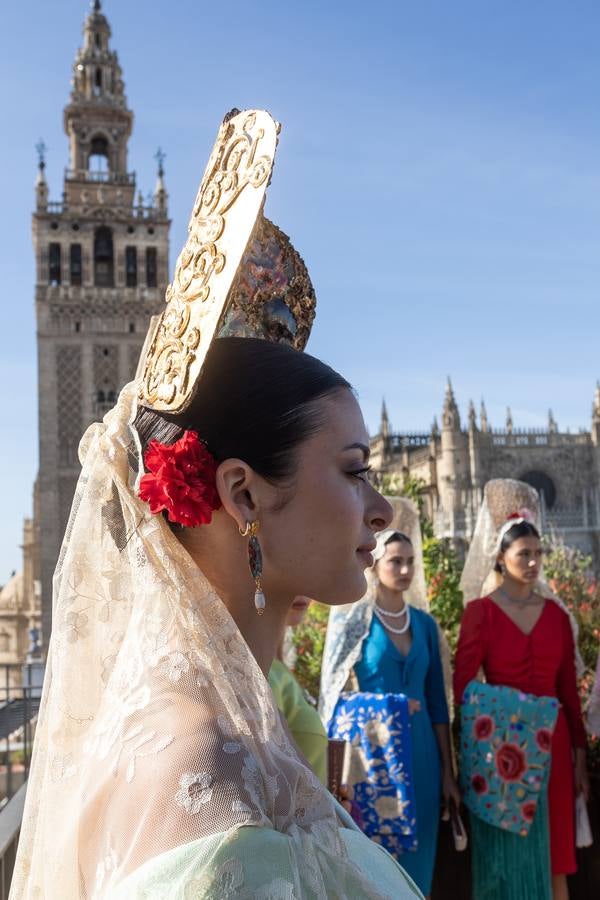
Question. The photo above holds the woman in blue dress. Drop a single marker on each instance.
(387, 645)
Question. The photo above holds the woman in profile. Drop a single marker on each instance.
(162, 768)
(388, 645)
(520, 636)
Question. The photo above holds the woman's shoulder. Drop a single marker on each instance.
(421, 615)
(476, 612)
(556, 612)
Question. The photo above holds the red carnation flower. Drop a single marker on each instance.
(511, 762)
(479, 784)
(483, 727)
(181, 479)
(528, 810)
(543, 738)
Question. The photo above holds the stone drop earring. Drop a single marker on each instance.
(255, 562)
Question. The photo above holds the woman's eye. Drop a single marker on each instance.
(361, 474)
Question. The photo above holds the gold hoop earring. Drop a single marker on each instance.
(255, 562)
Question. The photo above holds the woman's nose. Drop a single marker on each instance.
(381, 513)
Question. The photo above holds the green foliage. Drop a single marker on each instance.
(569, 573)
(309, 641)
(442, 576)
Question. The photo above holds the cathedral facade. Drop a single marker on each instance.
(101, 259)
(454, 463)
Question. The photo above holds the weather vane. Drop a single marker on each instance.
(41, 152)
(160, 157)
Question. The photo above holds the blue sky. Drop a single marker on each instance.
(439, 170)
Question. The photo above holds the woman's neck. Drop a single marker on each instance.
(392, 601)
(261, 633)
(224, 564)
(517, 590)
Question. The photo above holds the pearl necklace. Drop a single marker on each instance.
(379, 612)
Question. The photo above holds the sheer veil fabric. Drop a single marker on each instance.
(501, 498)
(157, 728)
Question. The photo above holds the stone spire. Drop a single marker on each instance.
(552, 425)
(161, 198)
(41, 185)
(483, 417)
(472, 417)
(384, 427)
(509, 420)
(435, 428)
(596, 416)
(450, 413)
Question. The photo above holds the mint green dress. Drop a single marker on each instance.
(253, 863)
(303, 719)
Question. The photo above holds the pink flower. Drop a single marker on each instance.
(543, 738)
(528, 810)
(479, 784)
(511, 762)
(483, 727)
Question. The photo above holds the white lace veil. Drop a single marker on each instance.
(406, 521)
(502, 497)
(156, 726)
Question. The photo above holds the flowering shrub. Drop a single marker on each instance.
(309, 641)
(569, 573)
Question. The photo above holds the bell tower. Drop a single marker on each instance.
(101, 273)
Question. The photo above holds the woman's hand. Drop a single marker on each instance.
(346, 795)
(413, 706)
(450, 789)
(582, 782)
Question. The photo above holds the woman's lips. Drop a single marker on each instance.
(367, 557)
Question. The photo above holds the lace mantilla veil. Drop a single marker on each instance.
(157, 728)
(501, 498)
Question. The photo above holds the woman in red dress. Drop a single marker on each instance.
(522, 639)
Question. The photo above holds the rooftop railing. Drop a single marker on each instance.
(100, 177)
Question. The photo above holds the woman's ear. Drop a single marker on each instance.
(236, 485)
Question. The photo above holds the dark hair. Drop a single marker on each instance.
(255, 402)
(398, 536)
(520, 530)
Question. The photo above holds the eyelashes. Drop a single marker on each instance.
(362, 474)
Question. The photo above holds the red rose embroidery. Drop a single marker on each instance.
(511, 762)
(528, 810)
(543, 738)
(479, 784)
(483, 727)
(181, 479)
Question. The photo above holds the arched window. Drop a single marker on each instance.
(103, 257)
(543, 485)
(131, 266)
(98, 81)
(75, 264)
(54, 263)
(98, 158)
(151, 267)
(4, 641)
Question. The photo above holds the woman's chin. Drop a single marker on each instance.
(349, 592)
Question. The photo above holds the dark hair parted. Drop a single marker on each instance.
(519, 530)
(398, 537)
(255, 402)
